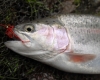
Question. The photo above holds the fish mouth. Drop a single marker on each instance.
(19, 36)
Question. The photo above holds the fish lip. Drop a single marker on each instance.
(12, 41)
(14, 45)
(7, 43)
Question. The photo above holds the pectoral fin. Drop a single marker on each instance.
(79, 57)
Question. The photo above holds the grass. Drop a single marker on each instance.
(77, 2)
(33, 4)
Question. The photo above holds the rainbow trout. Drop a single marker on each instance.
(67, 42)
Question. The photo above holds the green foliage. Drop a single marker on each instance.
(77, 2)
(36, 6)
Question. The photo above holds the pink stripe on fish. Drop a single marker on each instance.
(55, 36)
(61, 38)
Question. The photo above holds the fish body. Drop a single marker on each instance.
(67, 42)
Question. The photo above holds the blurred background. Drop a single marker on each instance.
(17, 67)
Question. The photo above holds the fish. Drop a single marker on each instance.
(69, 42)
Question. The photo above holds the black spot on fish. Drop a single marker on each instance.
(79, 32)
(46, 21)
(92, 26)
(70, 28)
(83, 39)
(37, 21)
(88, 31)
(75, 32)
(96, 25)
(94, 39)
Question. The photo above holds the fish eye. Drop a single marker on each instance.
(29, 28)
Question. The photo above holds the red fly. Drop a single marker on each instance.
(10, 33)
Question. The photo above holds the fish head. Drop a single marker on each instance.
(39, 38)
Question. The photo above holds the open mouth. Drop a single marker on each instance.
(12, 39)
(15, 35)
(21, 37)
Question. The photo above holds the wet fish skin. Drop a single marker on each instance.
(79, 54)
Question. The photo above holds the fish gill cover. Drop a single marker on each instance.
(17, 67)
